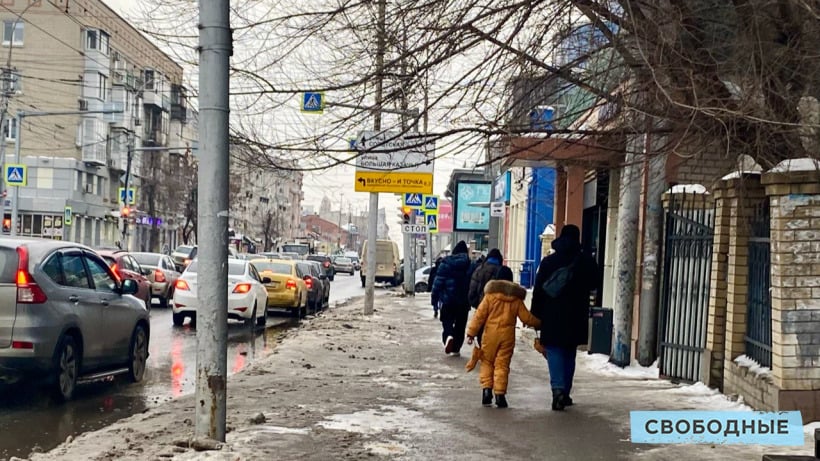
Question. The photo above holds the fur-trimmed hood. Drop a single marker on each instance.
(505, 288)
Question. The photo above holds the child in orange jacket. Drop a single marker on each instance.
(498, 312)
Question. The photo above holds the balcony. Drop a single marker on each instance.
(152, 98)
(179, 104)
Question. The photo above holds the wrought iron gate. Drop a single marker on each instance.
(759, 318)
(686, 279)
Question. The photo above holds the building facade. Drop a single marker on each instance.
(91, 88)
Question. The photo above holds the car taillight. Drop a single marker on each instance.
(242, 288)
(291, 284)
(181, 285)
(28, 292)
(159, 276)
(309, 282)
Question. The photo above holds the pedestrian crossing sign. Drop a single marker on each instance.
(430, 203)
(432, 223)
(67, 216)
(16, 175)
(313, 102)
(413, 200)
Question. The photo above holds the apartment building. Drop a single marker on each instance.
(265, 204)
(67, 63)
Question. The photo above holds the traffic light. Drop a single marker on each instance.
(6, 224)
(406, 214)
(125, 212)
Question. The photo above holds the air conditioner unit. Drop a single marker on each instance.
(89, 188)
(83, 104)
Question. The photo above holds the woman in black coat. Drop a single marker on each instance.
(565, 318)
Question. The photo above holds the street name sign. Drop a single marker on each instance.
(414, 228)
(393, 162)
(16, 175)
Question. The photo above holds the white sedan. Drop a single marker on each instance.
(247, 296)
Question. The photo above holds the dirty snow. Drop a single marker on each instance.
(739, 174)
(371, 422)
(599, 364)
(386, 448)
(700, 395)
(796, 164)
(753, 366)
(688, 189)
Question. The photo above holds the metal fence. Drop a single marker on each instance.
(759, 299)
(686, 280)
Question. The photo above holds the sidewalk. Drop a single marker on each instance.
(349, 387)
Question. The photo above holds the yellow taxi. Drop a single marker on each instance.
(287, 289)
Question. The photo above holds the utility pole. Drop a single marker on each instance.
(126, 205)
(626, 255)
(9, 86)
(212, 317)
(373, 218)
(339, 239)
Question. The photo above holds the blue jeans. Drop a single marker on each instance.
(561, 363)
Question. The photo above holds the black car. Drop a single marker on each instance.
(327, 264)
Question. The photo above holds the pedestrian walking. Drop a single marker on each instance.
(450, 293)
(501, 307)
(430, 279)
(486, 271)
(560, 299)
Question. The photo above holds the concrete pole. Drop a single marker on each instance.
(648, 324)
(16, 189)
(409, 241)
(627, 257)
(373, 218)
(213, 206)
(128, 160)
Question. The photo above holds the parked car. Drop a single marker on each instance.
(161, 272)
(343, 264)
(388, 265)
(247, 296)
(325, 284)
(422, 279)
(287, 288)
(64, 315)
(313, 276)
(326, 262)
(126, 267)
(183, 255)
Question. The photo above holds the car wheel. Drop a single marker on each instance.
(179, 319)
(363, 281)
(250, 321)
(67, 368)
(421, 287)
(262, 321)
(138, 354)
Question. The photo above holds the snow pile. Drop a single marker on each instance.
(599, 364)
(753, 366)
(739, 174)
(797, 164)
(688, 189)
(387, 418)
(386, 448)
(549, 230)
(810, 427)
(701, 396)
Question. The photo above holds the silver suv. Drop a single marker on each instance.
(64, 315)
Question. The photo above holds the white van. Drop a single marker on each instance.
(387, 262)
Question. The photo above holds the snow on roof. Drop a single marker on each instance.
(549, 230)
(688, 189)
(796, 164)
(738, 174)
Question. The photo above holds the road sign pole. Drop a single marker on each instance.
(428, 250)
(213, 205)
(408, 266)
(16, 190)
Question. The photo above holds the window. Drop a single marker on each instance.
(104, 43)
(74, 271)
(103, 86)
(99, 273)
(149, 79)
(13, 33)
(52, 268)
(10, 129)
(91, 40)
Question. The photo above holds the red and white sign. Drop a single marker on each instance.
(445, 216)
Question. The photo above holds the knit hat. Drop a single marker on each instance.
(505, 273)
(461, 247)
(495, 253)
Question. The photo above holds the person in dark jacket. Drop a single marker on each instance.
(483, 273)
(565, 319)
(450, 293)
(432, 278)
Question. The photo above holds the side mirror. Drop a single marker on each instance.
(129, 287)
(266, 280)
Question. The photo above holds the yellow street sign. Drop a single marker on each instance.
(394, 181)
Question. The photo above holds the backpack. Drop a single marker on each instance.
(555, 285)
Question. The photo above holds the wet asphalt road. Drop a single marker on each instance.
(30, 421)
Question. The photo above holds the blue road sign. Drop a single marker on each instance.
(67, 217)
(132, 200)
(432, 222)
(431, 202)
(413, 200)
(313, 102)
(16, 175)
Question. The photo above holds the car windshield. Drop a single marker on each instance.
(234, 268)
(184, 249)
(343, 261)
(276, 268)
(147, 259)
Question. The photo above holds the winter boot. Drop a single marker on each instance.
(448, 345)
(558, 400)
(567, 400)
(487, 397)
(501, 401)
